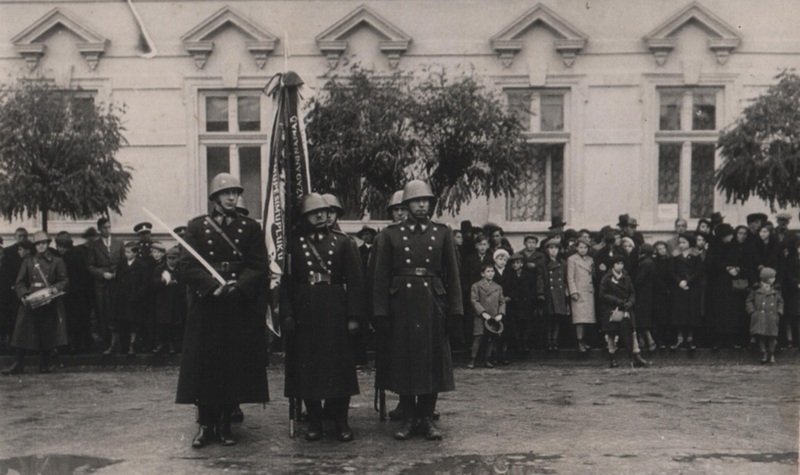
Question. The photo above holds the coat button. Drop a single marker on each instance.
(309, 263)
(210, 241)
(305, 246)
(330, 252)
(433, 238)
(233, 274)
(308, 254)
(240, 230)
(408, 249)
(211, 253)
(302, 239)
(426, 284)
(402, 228)
(408, 285)
(408, 261)
(405, 238)
(236, 241)
(430, 248)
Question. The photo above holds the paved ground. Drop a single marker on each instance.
(690, 417)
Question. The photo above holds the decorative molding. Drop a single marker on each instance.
(199, 40)
(723, 37)
(29, 45)
(333, 43)
(570, 41)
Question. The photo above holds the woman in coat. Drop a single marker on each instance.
(728, 287)
(43, 328)
(644, 283)
(662, 292)
(686, 275)
(580, 278)
(617, 294)
(556, 292)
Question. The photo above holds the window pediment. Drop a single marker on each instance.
(199, 40)
(29, 43)
(570, 41)
(333, 41)
(723, 38)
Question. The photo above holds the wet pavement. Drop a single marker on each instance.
(570, 417)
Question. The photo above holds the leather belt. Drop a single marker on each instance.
(418, 271)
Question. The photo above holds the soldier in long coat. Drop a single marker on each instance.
(417, 301)
(224, 350)
(44, 328)
(322, 305)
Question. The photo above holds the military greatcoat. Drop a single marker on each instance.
(416, 287)
(224, 349)
(43, 328)
(323, 291)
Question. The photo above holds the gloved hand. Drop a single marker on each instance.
(288, 327)
(498, 317)
(353, 326)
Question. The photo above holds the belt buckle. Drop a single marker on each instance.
(315, 278)
(421, 271)
(225, 266)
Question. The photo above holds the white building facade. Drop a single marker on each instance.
(628, 97)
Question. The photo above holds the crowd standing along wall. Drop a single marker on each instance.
(628, 96)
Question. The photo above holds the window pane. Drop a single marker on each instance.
(704, 110)
(519, 104)
(529, 202)
(217, 162)
(557, 180)
(250, 169)
(702, 188)
(669, 171)
(552, 112)
(670, 116)
(249, 114)
(216, 114)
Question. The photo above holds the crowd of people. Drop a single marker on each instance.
(108, 296)
(718, 285)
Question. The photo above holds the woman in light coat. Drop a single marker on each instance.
(580, 270)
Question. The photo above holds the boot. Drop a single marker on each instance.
(224, 429)
(343, 431)
(429, 430)
(114, 347)
(406, 429)
(612, 363)
(315, 427)
(44, 362)
(17, 367)
(131, 348)
(204, 436)
(639, 362)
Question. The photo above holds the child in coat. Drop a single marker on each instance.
(170, 301)
(488, 302)
(503, 275)
(765, 307)
(130, 291)
(556, 292)
(521, 300)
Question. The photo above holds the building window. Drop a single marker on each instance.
(233, 140)
(686, 139)
(544, 114)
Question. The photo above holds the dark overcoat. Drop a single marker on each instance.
(686, 303)
(130, 291)
(416, 287)
(43, 328)
(662, 291)
(726, 306)
(522, 289)
(554, 283)
(644, 284)
(320, 362)
(169, 297)
(616, 294)
(224, 346)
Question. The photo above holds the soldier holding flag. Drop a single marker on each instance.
(224, 350)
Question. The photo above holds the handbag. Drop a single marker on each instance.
(617, 315)
(740, 285)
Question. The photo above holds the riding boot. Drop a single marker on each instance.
(343, 431)
(315, 427)
(17, 367)
(114, 347)
(224, 427)
(131, 347)
(205, 430)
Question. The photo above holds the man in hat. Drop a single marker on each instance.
(42, 328)
(367, 236)
(144, 231)
(417, 302)
(224, 349)
(322, 305)
(782, 229)
(716, 219)
(105, 254)
(628, 227)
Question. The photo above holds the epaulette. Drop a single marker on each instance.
(391, 225)
(441, 224)
(198, 218)
(338, 231)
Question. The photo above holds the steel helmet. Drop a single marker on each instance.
(397, 200)
(333, 202)
(417, 189)
(222, 182)
(312, 202)
(241, 207)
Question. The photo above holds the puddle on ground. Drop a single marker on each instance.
(789, 458)
(55, 464)
(510, 464)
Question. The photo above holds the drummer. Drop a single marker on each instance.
(45, 327)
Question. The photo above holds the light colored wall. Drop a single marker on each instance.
(612, 83)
